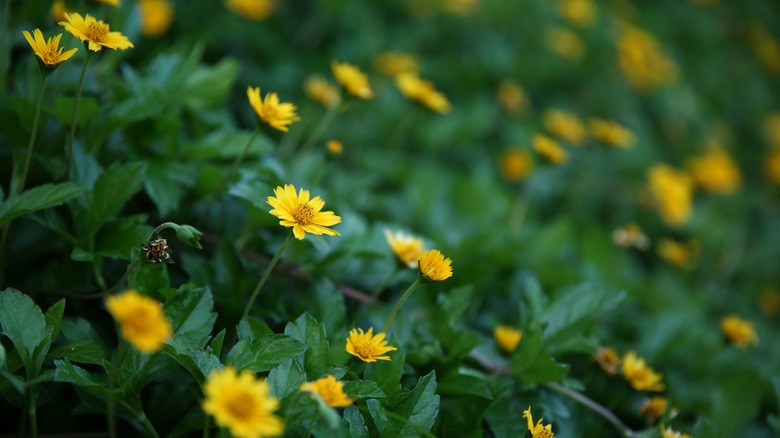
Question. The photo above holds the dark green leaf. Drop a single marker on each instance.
(111, 191)
(419, 408)
(252, 190)
(79, 351)
(166, 183)
(363, 389)
(24, 324)
(88, 110)
(531, 363)
(252, 328)
(311, 332)
(208, 86)
(68, 373)
(286, 378)
(38, 198)
(191, 314)
(215, 346)
(387, 374)
(357, 427)
(228, 144)
(197, 361)
(53, 317)
(264, 353)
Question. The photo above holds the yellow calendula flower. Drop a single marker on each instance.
(423, 92)
(276, 114)
(368, 347)
(578, 12)
(642, 61)
(769, 302)
(640, 376)
(95, 34)
(611, 133)
(507, 337)
(141, 320)
(738, 331)
(672, 192)
(549, 149)
(304, 215)
(516, 164)
(512, 97)
(330, 390)
(335, 147)
(254, 10)
(406, 247)
(679, 254)
(352, 79)
(564, 43)
(608, 359)
(771, 129)
(49, 52)
(321, 91)
(565, 126)
(654, 408)
(715, 172)
(156, 16)
(242, 403)
(630, 236)
(58, 10)
(668, 432)
(537, 430)
(434, 266)
(395, 63)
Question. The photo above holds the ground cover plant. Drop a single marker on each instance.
(396, 218)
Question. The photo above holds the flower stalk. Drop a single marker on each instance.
(87, 58)
(267, 272)
(400, 302)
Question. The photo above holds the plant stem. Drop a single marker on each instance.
(406, 295)
(76, 110)
(17, 184)
(207, 427)
(313, 420)
(32, 410)
(241, 156)
(3, 40)
(595, 407)
(111, 402)
(267, 272)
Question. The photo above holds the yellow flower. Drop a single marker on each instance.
(715, 171)
(422, 91)
(321, 91)
(110, 2)
(434, 266)
(769, 301)
(654, 408)
(565, 126)
(641, 61)
(516, 165)
(512, 97)
(254, 10)
(395, 63)
(48, 51)
(772, 165)
(630, 236)
(58, 10)
(549, 149)
(141, 320)
(270, 110)
(330, 390)
(352, 79)
(94, 33)
(156, 16)
(301, 213)
(507, 337)
(611, 133)
(679, 254)
(739, 332)
(537, 431)
(335, 147)
(766, 48)
(639, 375)
(668, 432)
(672, 192)
(459, 7)
(366, 346)
(406, 247)
(564, 43)
(579, 12)
(771, 128)
(608, 360)
(242, 403)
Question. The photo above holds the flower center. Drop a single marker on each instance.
(241, 406)
(364, 350)
(303, 214)
(50, 58)
(96, 31)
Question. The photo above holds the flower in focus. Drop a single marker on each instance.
(507, 337)
(406, 247)
(271, 111)
(679, 254)
(330, 390)
(512, 97)
(96, 34)
(578, 12)
(715, 171)
(58, 10)
(565, 126)
(641, 61)
(611, 133)
(564, 43)
(738, 331)
(335, 147)
(423, 92)
(368, 347)
(537, 431)
(49, 52)
(395, 63)
(434, 266)
(254, 10)
(771, 128)
(516, 165)
(769, 302)
(608, 360)
(630, 236)
(639, 375)
(301, 213)
(549, 149)
(320, 90)
(672, 192)
(156, 16)
(141, 320)
(765, 47)
(242, 403)
(352, 79)
(668, 432)
(654, 408)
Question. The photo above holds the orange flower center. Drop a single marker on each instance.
(50, 58)
(241, 405)
(97, 31)
(303, 214)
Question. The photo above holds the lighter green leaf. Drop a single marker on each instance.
(111, 191)
(24, 324)
(38, 198)
(308, 330)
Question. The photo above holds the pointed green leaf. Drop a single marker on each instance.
(419, 408)
(363, 389)
(264, 353)
(112, 190)
(531, 363)
(24, 324)
(252, 328)
(190, 312)
(38, 198)
(197, 361)
(311, 332)
(357, 427)
(387, 374)
(286, 379)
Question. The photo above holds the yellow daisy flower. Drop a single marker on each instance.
(668, 432)
(141, 320)
(507, 337)
(301, 213)
(611, 133)
(678, 254)
(270, 110)
(516, 165)
(95, 33)
(715, 171)
(639, 375)
(512, 97)
(254, 10)
(242, 403)
(608, 360)
(406, 247)
(320, 90)
(565, 126)
(48, 51)
(156, 16)
(368, 347)
(549, 149)
(672, 191)
(330, 390)
(423, 92)
(537, 431)
(395, 63)
(352, 79)
(654, 408)
(335, 147)
(434, 266)
(738, 331)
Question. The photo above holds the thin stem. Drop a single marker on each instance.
(520, 208)
(207, 426)
(240, 157)
(159, 229)
(76, 110)
(406, 295)
(3, 40)
(318, 131)
(110, 400)
(32, 409)
(17, 185)
(595, 407)
(267, 272)
(313, 420)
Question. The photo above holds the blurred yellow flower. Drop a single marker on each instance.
(301, 213)
(772, 165)
(141, 320)
(423, 92)
(406, 247)
(335, 147)
(771, 128)
(48, 51)
(254, 10)
(368, 347)
(769, 301)
(679, 254)
(642, 62)
(516, 164)
(766, 48)
(110, 2)
(672, 192)
(320, 90)
(608, 359)
(512, 97)
(58, 10)
(654, 408)
(578, 12)
(537, 431)
(639, 375)
(156, 16)
(242, 403)
(564, 43)
(611, 133)
(434, 266)
(738, 331)
(96, 34)
(715, 171)
(394, 63)
(630, 236)
(330, 390)
(352, 79)
(549, 149)
(459, 7)
(668, 432)
(565, 126)
(271, 111)
(507, 338)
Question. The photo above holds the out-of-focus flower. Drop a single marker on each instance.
(368, 347)
(406, 247)
(611, 133)
(423, 92)
(516, 164)
(769, 301)
(772, 165)
(537, 430)
(141, 320)
(278, 115)
(434, 266)
(608, 359)
(738, 331)
(304, 215)
(512, 97)
(565, 126)
(320, 90)
(771, 128)
(766, 47)
(715, 171)
(58, 10)
(335, 147)
(156, 16)
(578, 12)
(330, 390)
(564, 43)
(394, 63)
(48, 51)
(96, 34)
(549, 149)
(459, 7)
(352, 79)
(640, 376)
(110, 2)
(654, 408)
(254, 10)
(630, 236)
(672, 192)
(507, 338)
(668, 432)
(678, 254)
(642, 62)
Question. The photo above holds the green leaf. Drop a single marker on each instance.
(532, 303)
(264, 353)
(117, 239)
(151, 278)
(252, 328)
(191, 314)
(66, 372)
(252, 190)
(87, 111)
(311, 332)
(363, 389)
(209, 86)
(420, 407)
(24, 324)
(197, 361)
(167, 182)
(531, 363)
(357, 427)
(454, 303)
(228, 144)
(53, 317)
(79, 351)
(38, 198)
(215, 346)
(286, 378)
(111, 191)
(387, 374)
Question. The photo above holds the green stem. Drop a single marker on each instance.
(159, 229)
(267, 272)
(318, 131)
(32, 409)
(592, 405)
(110, 400)
(17, 185)
(311, 422)
(3, 40)
(207, 426)
(240, 157)
(76, 110)
(406, 295)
